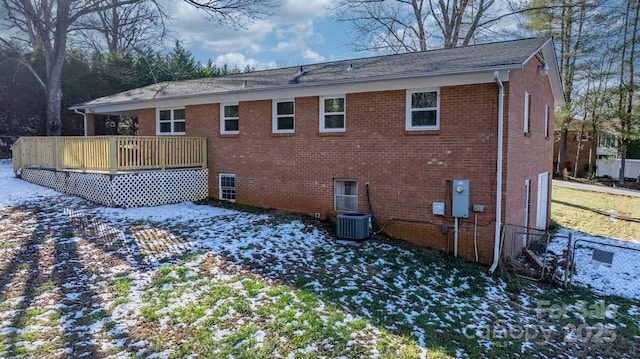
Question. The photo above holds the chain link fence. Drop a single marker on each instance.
(568, 258)
(527, 252)
(608, 267)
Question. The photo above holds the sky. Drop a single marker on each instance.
(301, 32)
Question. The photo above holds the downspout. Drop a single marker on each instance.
(84, 119)
(496, 247)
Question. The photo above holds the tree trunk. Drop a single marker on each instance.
(55, 62)
(579, 148)
(623, 160)
(627, 117)
(592, 149)
(54, 106)
(562, 152)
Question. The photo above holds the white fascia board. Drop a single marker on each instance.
(549, 54)
(248, 94)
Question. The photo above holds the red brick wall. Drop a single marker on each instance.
(406, 171)
(90, 130)
(526, 156)
(147, 122)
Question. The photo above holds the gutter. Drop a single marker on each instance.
(497, 239)
(84, 120)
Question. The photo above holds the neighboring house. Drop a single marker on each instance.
(604, 157)
(391, 135)
(578, 152)
(609, 158)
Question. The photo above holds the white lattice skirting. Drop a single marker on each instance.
(126, 190)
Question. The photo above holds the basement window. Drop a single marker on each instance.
(170, 121)
(345, 195)
(423, 110)
(227, 185)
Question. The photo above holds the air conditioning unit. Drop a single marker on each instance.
(353, 225)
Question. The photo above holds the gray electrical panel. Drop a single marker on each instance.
(460, 199)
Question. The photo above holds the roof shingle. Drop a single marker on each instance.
(473, 58)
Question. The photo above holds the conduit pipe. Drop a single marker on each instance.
(455, 238)
(496, 247)
(475, 236)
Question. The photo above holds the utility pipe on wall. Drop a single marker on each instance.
(475, 236)
(496, 249)
(455, 238)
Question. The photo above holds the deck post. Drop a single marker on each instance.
(113, 155)
(84, 154)
(163, 154)
(18, 152)
(203, 144)
(57, 153)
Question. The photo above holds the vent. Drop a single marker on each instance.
(353, 225)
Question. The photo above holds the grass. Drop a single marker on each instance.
(254, 288)
(579, 210)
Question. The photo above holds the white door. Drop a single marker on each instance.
(543, 199)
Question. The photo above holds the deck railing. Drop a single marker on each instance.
(110, 154)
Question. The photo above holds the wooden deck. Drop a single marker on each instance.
(110, 154)
(117, 171)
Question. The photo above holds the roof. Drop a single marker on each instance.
(475, 58)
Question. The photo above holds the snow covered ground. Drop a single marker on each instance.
(190, 280)
(620, 277)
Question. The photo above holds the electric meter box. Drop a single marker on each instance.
(460, 199)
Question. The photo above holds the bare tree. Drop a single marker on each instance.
(627, 86)
(122, 28)
(598, 102)
(235, 12)
(45, 25)
(575, 25)
(406, 25)
(459, 20)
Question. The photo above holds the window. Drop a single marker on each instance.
(527, 100)
(546, 121)
(229, 119)
(346, 195)
(227, 185)
(171, 122)
(332, 114)
(283, 116)
(423, 110)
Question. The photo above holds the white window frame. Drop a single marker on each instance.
(222, 195)
(527, 105)
(171, 121)
(276, 116)
(352, 196)
(546, 121)
(223, 119)
(409, 110)
(323, 114)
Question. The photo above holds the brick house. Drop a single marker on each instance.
(386, 135)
